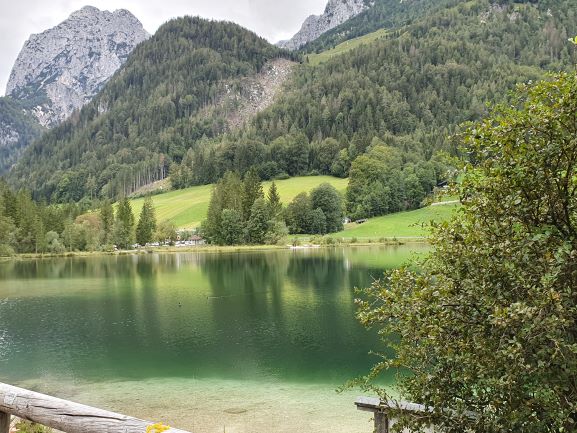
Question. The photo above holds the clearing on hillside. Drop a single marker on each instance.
(316, 59)
(188, 207)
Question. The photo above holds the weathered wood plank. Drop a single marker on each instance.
(67, 416)
(4, 422)
(373, 404)
(369, 404)
(381, 422)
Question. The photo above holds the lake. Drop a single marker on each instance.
(208, 342)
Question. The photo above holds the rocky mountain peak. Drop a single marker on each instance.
(61, 69)
(336, 13)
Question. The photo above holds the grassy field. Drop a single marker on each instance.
(188, 207)
(315, 59)
(400, 225)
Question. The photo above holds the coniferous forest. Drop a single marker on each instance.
(25, 128)
(128, 135)
(389, 105)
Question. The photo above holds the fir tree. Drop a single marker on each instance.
(124, 224)
(227, 194)
(146, 223)
(251, 191)
(274, 203)
(259, 222)
(107, 217)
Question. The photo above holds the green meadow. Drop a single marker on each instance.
(188, 207)
(315, 59)
(412, 224)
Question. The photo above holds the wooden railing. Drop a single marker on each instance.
(386, 411)
(71, 417)
(67, 416)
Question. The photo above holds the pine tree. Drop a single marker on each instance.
(124, 224)
(259, 222)
(274, 203)
(251, 191)
(107, 217)
(146, 223)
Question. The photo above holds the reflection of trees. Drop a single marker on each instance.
(95, 267)
(282, 313)
(318, 271)
(329, 271)
(246, 274)
(293, 313)
(99, 329)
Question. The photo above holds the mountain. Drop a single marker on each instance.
(63, 68)
(336, 13)
(382, 14)
(17, 129)
(407, 88)
(391, 101)
(151, 111)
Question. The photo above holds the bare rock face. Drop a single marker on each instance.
(61, 69)
(336, 13)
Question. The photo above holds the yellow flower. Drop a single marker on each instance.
(157, 428)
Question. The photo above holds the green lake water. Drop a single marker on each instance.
(244, 342)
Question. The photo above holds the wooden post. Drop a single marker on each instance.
(4, 422)
(381, 422)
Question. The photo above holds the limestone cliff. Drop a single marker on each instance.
(336, 13)
(61, 69)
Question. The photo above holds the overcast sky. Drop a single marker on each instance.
(272, 19)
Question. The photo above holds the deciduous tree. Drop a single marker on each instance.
(486, 332)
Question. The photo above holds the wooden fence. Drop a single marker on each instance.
(384, 412)
(71, 417)
(67, 416)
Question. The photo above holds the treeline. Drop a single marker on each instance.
(239, 212)
(142, 120)
(30, 227)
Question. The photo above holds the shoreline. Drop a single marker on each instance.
(211, 405)
(213, 249)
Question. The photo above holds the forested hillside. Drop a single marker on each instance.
(395, 14)
(381, 113)
(380, 14)
(144, 117)
(404, 93)
(17, 130)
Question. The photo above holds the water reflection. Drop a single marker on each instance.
(281, 315)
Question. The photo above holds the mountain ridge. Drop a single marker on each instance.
(336, 12)
(150, 106)
(62, 68)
